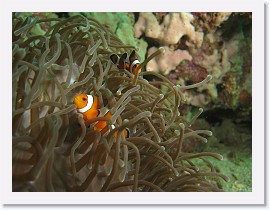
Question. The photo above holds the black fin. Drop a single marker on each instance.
(132, 56)
(114, 58)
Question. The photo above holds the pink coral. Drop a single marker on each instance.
(170, 31)
(165, 63)
(191, 71)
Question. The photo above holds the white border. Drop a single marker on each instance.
(254, 197)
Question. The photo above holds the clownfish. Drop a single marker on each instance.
(89, 106)
(129, 64)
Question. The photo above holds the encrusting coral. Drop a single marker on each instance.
(173, 28)
(52, 148)
(168, 61)
(209, 21)
(198, 44)
(226, 55)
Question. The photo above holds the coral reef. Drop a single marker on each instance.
(198, 44)
(174, 27)
(209, 21)
(53, 150)
(226, 55)
(167, 61)
(170, 31)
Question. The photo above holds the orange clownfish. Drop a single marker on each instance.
(122, 62)
(89, 106)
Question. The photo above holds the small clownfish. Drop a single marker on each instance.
(122, 62)
(89, 106)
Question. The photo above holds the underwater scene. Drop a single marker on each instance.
(124, 102)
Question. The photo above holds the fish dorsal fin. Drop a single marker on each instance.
(132, 57)
(114, 58)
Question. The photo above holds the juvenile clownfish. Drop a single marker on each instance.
(122, 62)
(89, 106)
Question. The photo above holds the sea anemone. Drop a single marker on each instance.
(52, 148)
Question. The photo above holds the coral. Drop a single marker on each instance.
(53, 150)
(191, 72)
(228, 61)
(198, 44)
(201, 43)
(166, 62)
(174, 27)
(209, 21)
(170, 31)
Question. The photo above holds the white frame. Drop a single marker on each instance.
(257, 196)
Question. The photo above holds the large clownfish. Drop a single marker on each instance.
(89, 106)
(122, 62)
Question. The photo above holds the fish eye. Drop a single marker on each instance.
(84, 99)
